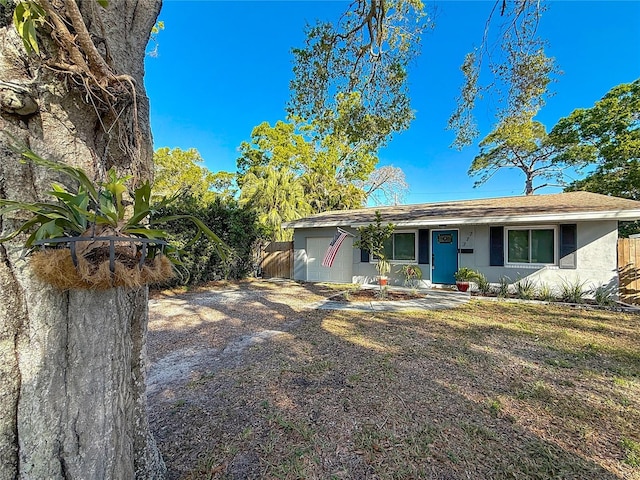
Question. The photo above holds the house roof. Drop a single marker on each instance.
(559, 207)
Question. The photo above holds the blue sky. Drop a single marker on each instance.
(224, 67)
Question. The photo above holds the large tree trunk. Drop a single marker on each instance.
(528, 184)
(72, 364)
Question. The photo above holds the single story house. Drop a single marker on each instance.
(565, 237)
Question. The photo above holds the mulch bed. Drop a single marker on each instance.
(374, 295)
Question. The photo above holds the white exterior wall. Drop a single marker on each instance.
(361, 272)
(596, 257)
(300, 256)
(364, 273)
(467, 240)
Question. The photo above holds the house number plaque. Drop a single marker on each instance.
(445, 238)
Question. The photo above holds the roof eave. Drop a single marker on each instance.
(620, 215)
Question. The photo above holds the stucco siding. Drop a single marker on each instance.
(468, 243)
(596, 258)
(597, 253)
(300, 257)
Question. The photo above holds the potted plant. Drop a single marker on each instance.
(463, 276)
(98, 236)
(383, 267)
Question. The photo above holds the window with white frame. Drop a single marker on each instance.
(534, 245)
(401, 247)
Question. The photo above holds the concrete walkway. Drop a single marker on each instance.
(434, 300)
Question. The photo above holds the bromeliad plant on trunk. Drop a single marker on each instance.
(100, 235)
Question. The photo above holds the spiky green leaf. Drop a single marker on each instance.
(75, 173)
(221, 248)
(146, 232)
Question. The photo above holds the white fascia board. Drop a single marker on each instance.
(542, 218)
(505, 219)
(312, 224)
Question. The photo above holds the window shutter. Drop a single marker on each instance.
(364, 255)
(568, 246)
(423, 246)
(496, 246)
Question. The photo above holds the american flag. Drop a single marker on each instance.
(334, 246)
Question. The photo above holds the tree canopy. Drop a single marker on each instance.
(358, 66)
(608, 135)
(520, 74)
(327, 171)
(349, 95)
(322, 171)
(523, 145)
(180, 170)
(519, 70)
(276, 196)
(183, 171)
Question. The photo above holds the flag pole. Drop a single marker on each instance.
(345, 232)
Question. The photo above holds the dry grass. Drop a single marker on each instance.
(490, 390)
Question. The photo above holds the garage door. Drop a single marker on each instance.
(340, 271)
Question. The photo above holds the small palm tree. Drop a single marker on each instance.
(278, 197)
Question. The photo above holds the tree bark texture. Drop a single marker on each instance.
(72, 364)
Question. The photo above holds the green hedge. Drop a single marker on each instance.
(236, 226)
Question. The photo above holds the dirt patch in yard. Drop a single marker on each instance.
(247, 381)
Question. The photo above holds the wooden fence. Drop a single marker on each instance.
(629, 269)
(277, 260)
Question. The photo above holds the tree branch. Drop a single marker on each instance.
(97, 64)
(62, 32)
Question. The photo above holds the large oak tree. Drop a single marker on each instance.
(608, 135)
(72, 379)
(361, 62)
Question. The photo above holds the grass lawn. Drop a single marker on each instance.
(490, 390)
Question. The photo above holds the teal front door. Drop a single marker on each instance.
(444, 256)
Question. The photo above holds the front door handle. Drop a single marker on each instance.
(433, 261)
